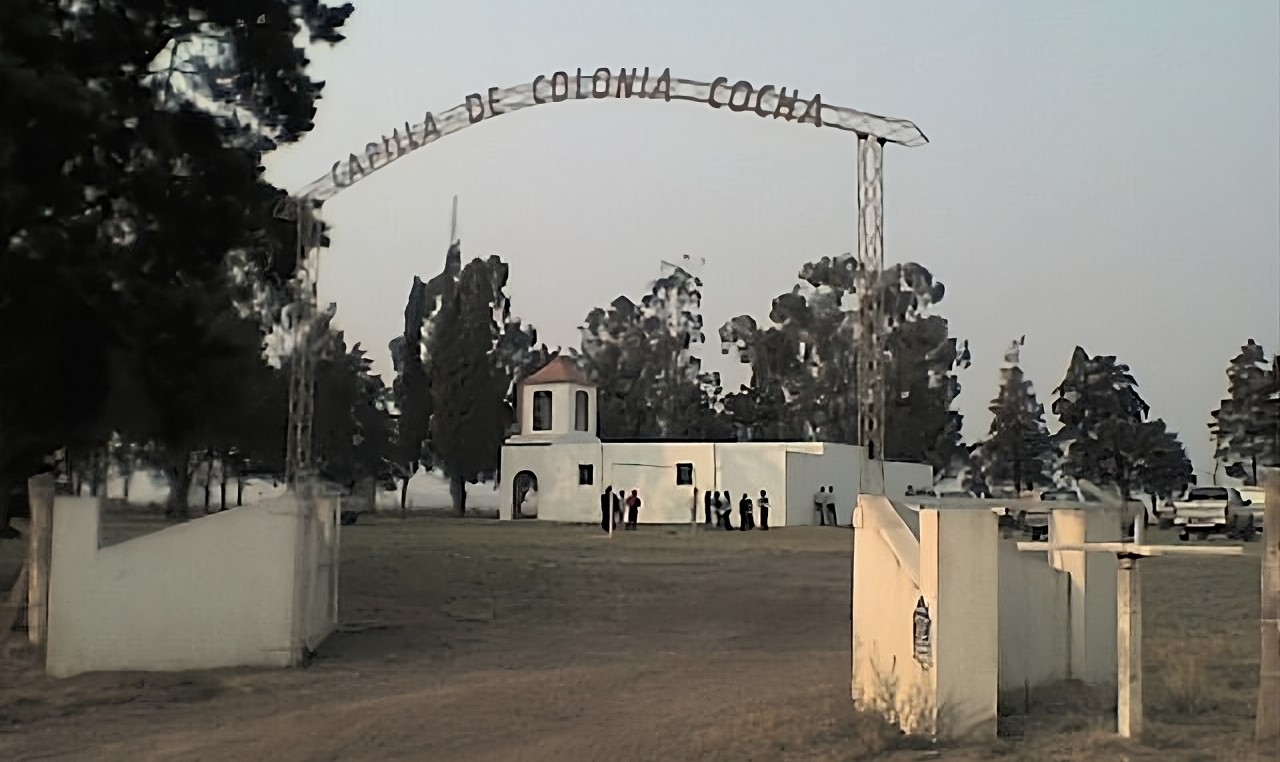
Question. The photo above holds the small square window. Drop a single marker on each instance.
(684, 473)
(586, 473)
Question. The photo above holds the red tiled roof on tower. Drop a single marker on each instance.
(560, 370)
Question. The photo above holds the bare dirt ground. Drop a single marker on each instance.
(468, 640)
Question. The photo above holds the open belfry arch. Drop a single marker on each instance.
(768, 101)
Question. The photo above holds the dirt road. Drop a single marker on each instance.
(468, 640)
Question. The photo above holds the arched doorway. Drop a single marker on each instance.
(524, 496)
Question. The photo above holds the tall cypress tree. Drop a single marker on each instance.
(469, 415)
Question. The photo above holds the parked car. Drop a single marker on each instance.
(1204, 511)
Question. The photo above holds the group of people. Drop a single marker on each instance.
(720, 504)
(715, 504)
(611, 504)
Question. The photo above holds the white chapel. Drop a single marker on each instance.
(555, 466)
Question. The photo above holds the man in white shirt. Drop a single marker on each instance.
(820, 505)
(831, 504)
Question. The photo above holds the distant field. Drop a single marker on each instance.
(473, 640)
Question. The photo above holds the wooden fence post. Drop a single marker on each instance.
(40, 493)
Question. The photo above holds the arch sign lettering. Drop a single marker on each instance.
(763, 101)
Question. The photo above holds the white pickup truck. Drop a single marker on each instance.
(1214, 510)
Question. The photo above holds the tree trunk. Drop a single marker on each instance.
(208, 479)
(404, 496)
(6, 488)
(127, 474)
(239, 485)
(73, 473)
(179, 472)
(458, 491)
(222, 484)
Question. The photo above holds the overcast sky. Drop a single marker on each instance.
(1099, 173)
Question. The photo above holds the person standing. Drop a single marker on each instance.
(706, 499)
(831, 505)
(633, 509)
(764, 511)
(606, 507)
(724, 510)
(617, 508)
(745, 520)
(820, 505)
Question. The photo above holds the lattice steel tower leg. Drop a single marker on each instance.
(870, 345)
(300, 462)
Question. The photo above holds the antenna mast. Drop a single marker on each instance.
(453, 223)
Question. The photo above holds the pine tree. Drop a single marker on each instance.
(469, 415)
(1164, 469)
(1018, 449)
(1246, 425)
(1101, 414)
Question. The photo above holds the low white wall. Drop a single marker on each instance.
(887, 678)
(1035, 620)
(898, 476)
(238, 588)
(1093, 589)
(953, 566)
(822, 464)
(959, 560)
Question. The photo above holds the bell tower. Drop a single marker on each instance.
(557, 403)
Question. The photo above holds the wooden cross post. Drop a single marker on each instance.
(1129, 712)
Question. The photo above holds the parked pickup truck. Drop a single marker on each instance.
(1214, 510)
(1036, 522)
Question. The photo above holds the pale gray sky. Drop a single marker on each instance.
(1100, 173)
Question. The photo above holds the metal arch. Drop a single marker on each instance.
(762, 101)
(873, 132)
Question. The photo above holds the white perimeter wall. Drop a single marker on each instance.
(954, 567)
(789, 471)
(886, 586)
(1035, 620)
(822, 464)
(247, 587)
(959, 559)
(898, 476)
(650, 469)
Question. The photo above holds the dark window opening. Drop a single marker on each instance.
(582, 404)
(586, 473)
(684, 473)
(542, 411)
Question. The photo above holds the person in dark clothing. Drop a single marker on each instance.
(606, 507)
(764, 511)
(633, 509)
(706, 499)
(617, 508)
(745, 520)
